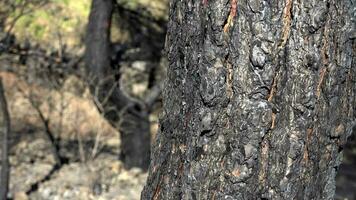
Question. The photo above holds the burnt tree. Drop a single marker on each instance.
(258, 102)
(5, 132)
(129, 116)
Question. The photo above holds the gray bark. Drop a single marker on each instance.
(5, 132)
(258, 102)
(130, 117)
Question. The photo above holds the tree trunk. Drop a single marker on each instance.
(259, 100)
(127, 115)
(5, 132)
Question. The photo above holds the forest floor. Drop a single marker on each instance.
(99, 178)
(88, 143)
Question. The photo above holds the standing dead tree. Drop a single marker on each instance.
(130, 116)
(5, 132)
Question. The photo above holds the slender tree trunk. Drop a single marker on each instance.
(259, 100)
(124, 113)
(5, 131)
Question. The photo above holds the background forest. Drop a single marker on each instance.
(65, 142)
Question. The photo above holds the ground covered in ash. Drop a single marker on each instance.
(103, 177)
(88, 143)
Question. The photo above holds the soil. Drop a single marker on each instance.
(34, 176)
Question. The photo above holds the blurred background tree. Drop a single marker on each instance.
(104, 58)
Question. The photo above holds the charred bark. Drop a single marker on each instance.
(5, 132)
(259, 100)
(129, 116)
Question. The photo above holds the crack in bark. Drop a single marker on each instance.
(321, 79)
(323, 71)
(307, 144)
(229, 80)
(264, 163)
(287, 20)
(157, 190)
(273, 125)
(273, 88)
(324, 57)
(231, 16)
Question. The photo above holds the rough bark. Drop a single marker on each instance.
(129, 116)
(258, 102)
(5, 131)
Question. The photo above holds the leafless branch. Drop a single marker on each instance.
(46, 123)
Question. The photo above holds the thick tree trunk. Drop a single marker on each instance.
(124, 113)
(259, 100)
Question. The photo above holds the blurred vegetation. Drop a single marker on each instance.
(51, 21)
(57, 22)
(156, 8)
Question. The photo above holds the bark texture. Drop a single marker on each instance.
(127, 115)
(258, 102)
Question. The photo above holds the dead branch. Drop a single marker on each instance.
(48, 132)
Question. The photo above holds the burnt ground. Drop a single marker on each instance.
(34, 175)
